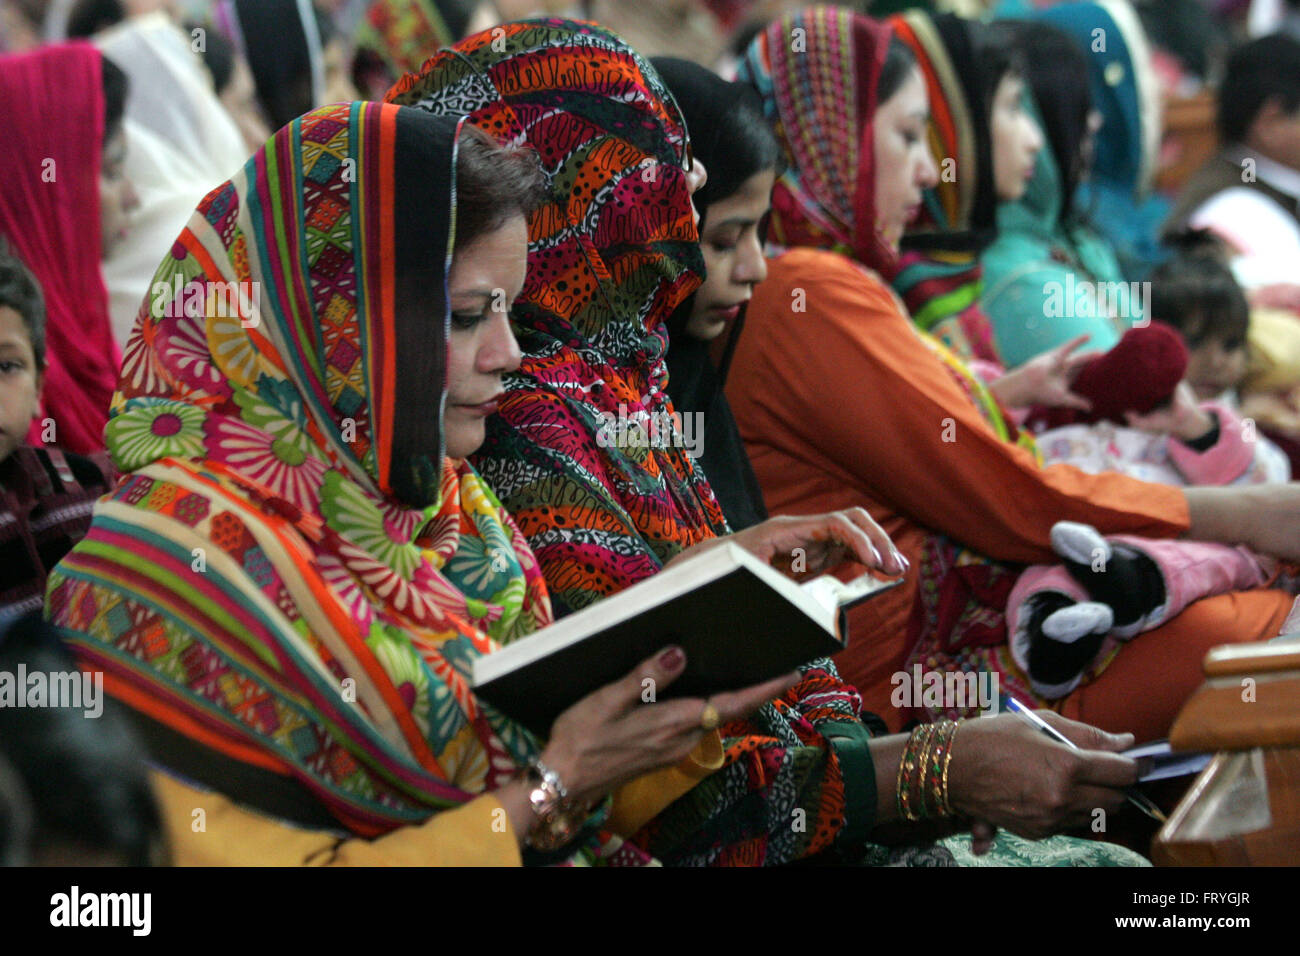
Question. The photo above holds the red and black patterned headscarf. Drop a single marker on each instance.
(584, 452)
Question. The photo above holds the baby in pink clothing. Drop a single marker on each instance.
(1067, 621)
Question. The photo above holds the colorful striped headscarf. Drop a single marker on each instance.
(939, 275)
(817, 71)
(611, 253)
(257, 583)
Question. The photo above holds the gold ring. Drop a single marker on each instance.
(710, 718)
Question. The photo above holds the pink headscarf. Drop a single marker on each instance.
(50, 150)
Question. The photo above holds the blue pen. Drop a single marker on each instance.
(1139, 800)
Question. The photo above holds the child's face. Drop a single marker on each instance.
(1215, 366)
(20, 382)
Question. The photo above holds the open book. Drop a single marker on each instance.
(740, 622)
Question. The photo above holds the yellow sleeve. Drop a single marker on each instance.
(638, 802)
(226, 834)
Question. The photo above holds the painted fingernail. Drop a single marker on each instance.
(672, 659)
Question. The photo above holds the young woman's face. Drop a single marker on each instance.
(1016, 139)
(733, 255)
(904, 167)
(486, 276)
(117, 197)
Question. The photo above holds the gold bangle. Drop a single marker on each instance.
(952, 737)
(925, 767)
(906, 762)
(900, 788)
(914, 765)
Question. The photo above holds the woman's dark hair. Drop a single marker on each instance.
(899, 62)
(1259, 71)
(997, 55)
(86, 777)
(114, 96)
(88, 17)
(20, 291)
(1057, 72)
(744, 36)
(725, 122)
(276, 47)
(218, 56)
(1195, 292)
(493, 184)
(1187, 30)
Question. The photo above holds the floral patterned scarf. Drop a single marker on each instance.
(255, 583)
(395, 36)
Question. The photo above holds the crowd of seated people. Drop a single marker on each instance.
(312, 318)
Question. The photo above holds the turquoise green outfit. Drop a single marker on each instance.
(1049, 278)
(1117, 197)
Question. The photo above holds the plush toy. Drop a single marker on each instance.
(1138, 375)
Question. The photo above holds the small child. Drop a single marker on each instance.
(1164, 402)
(46, 497)
(1066, 621)
(1196, 293)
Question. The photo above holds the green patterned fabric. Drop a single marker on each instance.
(1007, 850)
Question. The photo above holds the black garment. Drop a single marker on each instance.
(74, 780)
(284, 54)
(694, 385)
(717, 114)
(46, 502)
(715, 111)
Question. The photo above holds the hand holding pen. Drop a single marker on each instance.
(1134, 796)
(1006, 773)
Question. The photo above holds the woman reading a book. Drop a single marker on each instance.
(292, 580)
(611, 253)
(878, 415)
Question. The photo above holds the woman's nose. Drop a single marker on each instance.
(696, 177)
(1035, 137)
(928, 174)
(500, 351)
(130, 198)
(751, 266)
